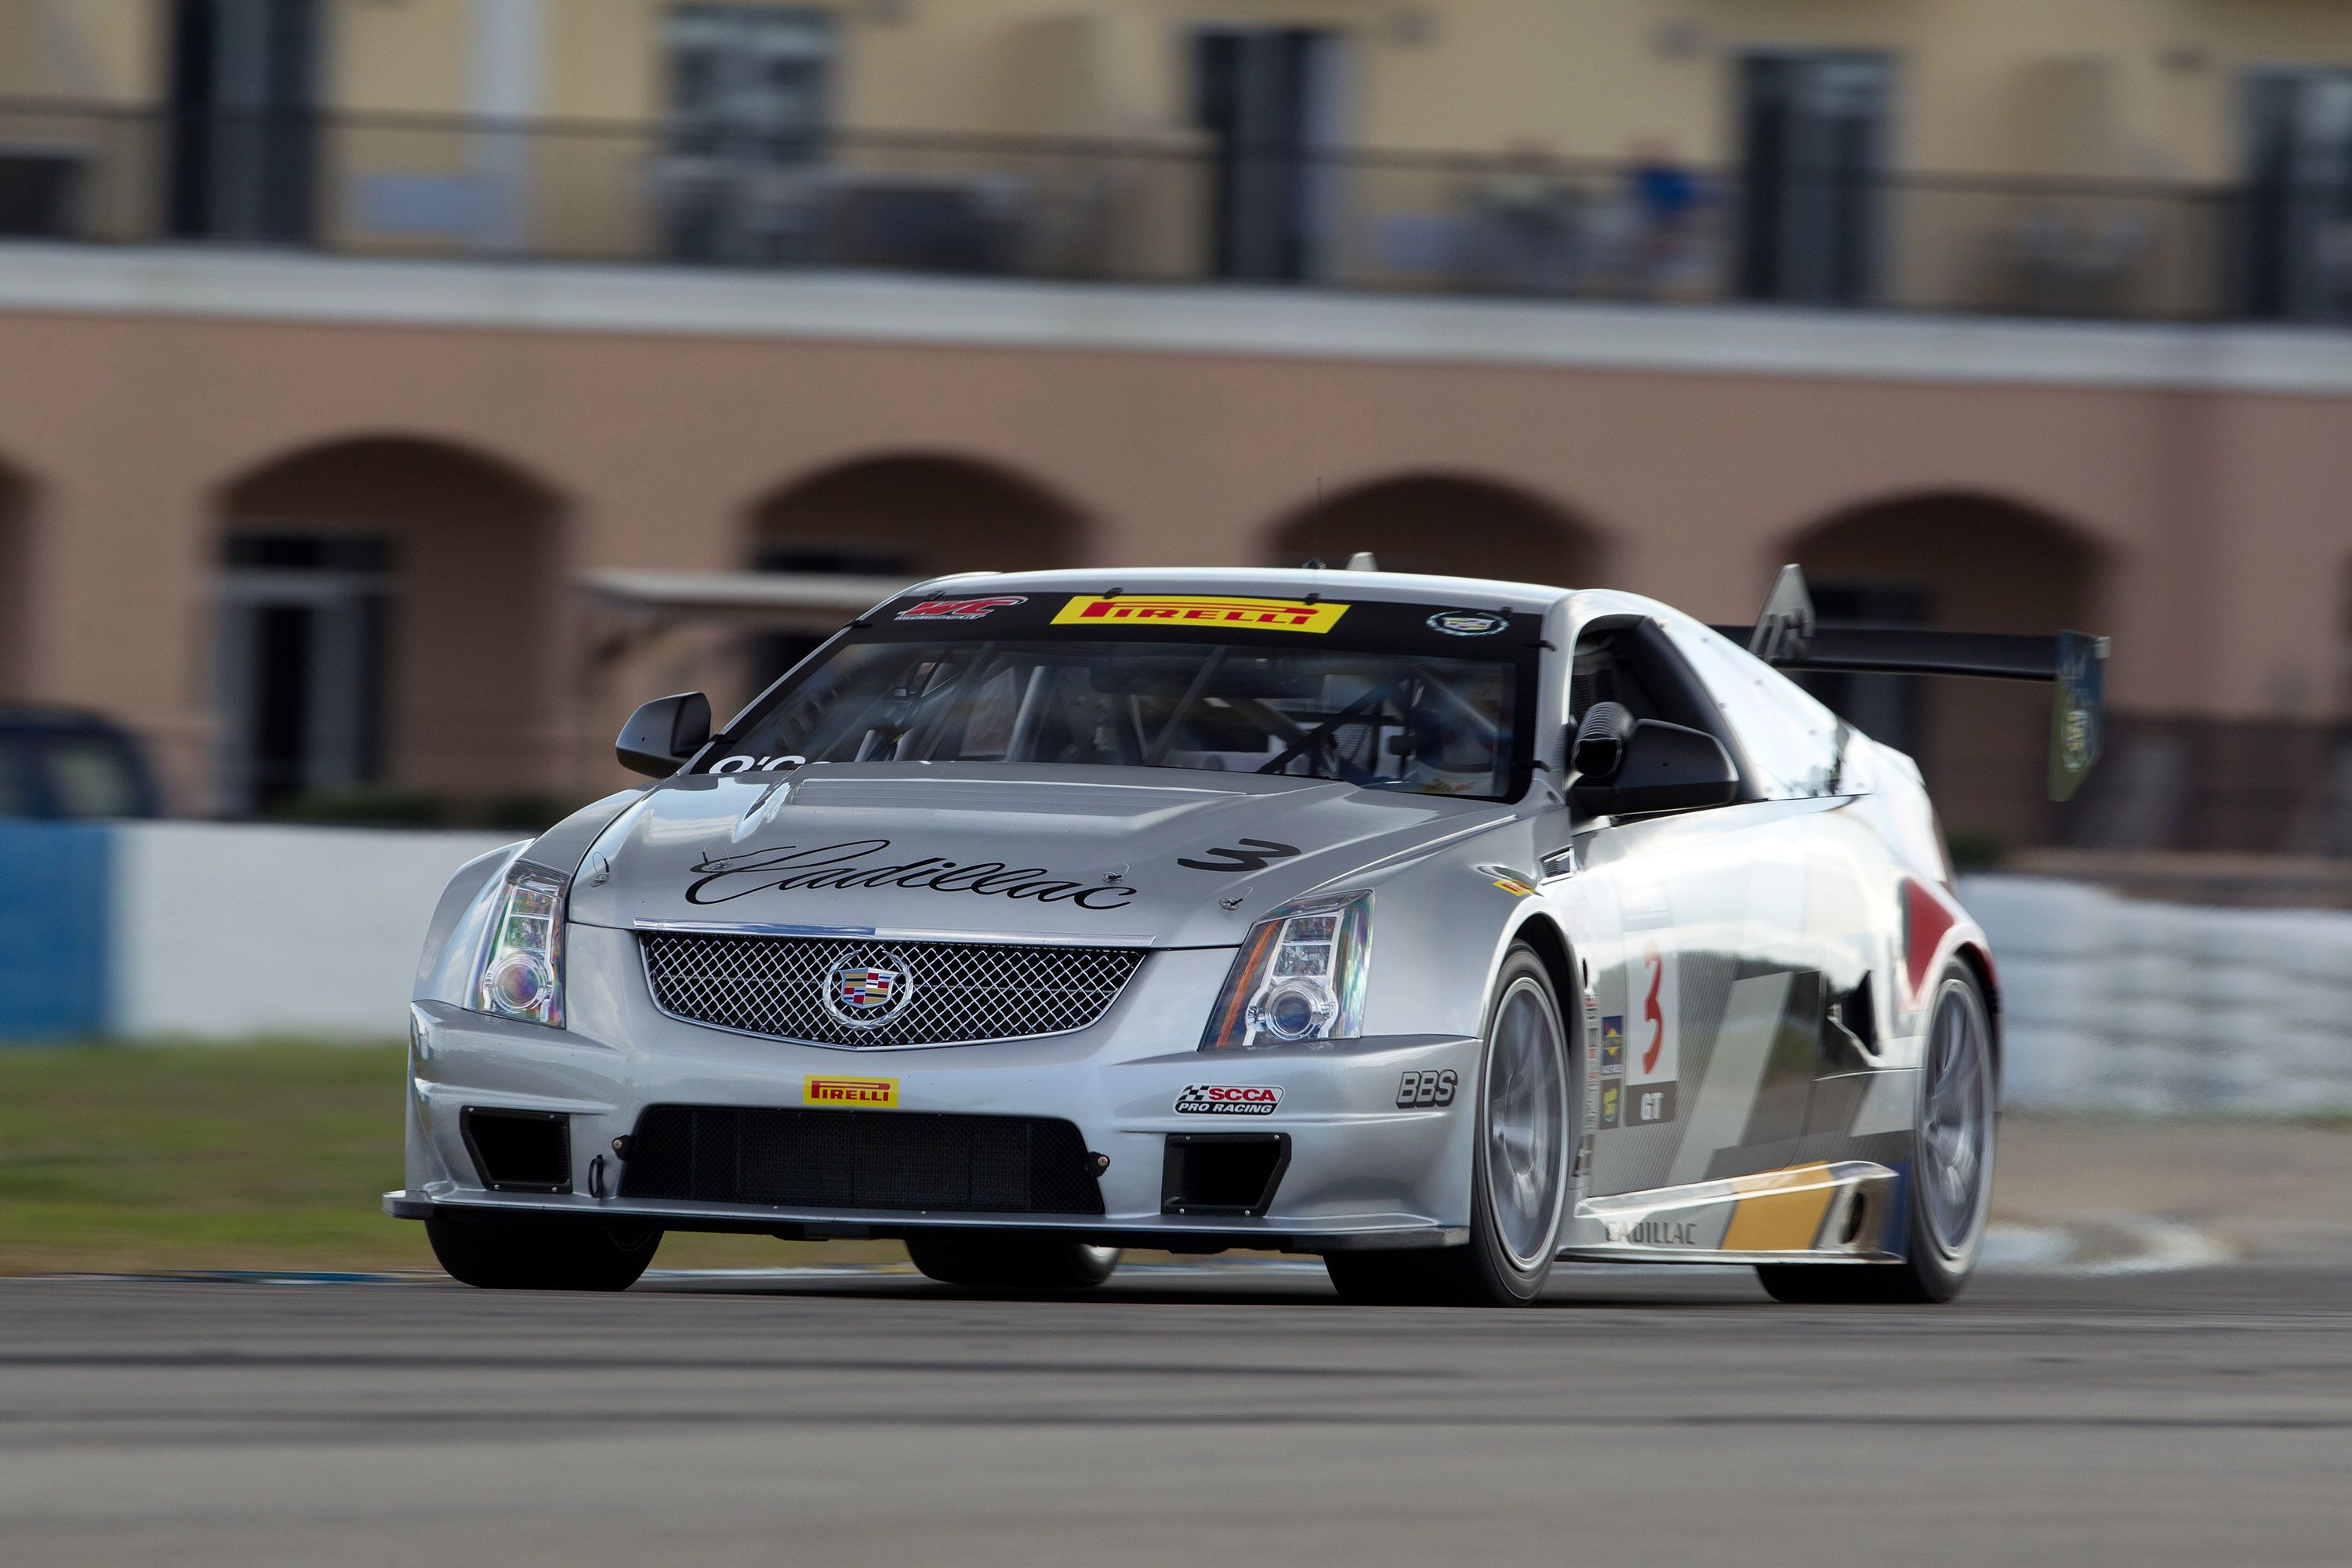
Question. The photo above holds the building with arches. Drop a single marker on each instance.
(307, 523)
(334, 500)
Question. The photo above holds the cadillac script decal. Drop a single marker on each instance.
(866, 863)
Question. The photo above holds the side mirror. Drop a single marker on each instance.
(1598, 749)
(664, 733)
(1662, 767)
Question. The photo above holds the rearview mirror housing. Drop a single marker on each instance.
(662, 734)
(1661, 767)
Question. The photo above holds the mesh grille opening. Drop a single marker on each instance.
(794, 1158)
(930, 992)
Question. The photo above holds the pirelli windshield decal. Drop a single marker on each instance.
(1199, 610)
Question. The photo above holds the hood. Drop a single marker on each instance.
(1126, 855)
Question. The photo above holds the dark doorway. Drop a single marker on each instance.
(1813, 139)
(1887, 707)
(244, 119)
(771, 654)
(2298, 203)
(750, 96)
(302, 663)
(1270, 97)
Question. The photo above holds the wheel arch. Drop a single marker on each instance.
(1542, 932)
(1979, 960)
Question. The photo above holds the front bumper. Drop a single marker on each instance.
(1360, 1172)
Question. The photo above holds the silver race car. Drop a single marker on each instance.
(1442, 928)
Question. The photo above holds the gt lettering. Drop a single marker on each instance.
(1650, 1106)
(1427, 1087)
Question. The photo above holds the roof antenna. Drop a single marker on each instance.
(1361, 561)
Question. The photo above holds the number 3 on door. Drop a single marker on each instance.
(1651, 1056)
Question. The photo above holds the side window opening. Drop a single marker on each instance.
(1628, 659)
(1793, 743)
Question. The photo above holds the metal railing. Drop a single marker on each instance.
(1178, 208)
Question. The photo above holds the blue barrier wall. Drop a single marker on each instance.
(55, 929)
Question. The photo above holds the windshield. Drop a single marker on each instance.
(1428, 723)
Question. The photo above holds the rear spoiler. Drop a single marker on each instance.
(1787, 637)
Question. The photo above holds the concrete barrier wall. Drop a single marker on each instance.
(217, 931)
(232, 930)
(225, 931)
(2119, 1003)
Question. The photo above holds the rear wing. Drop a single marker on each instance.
(1787, 636)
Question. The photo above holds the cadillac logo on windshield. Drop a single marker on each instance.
(865, 993)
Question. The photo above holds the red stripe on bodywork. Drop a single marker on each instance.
(1925, 920)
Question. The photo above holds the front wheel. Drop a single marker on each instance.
(1012, 1262)
(520, 1254)
(1518, 1177)
(1950, 1193)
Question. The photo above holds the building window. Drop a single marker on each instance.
(1271, 98)
(302, 646)
(1814, 143)
(2299, 219)
(750, 90)
(244, 119)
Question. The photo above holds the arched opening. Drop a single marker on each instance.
(1956, 562)
(904, 517)
(16, 583)
(387, 624)
(1444, 524)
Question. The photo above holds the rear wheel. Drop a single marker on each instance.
(1520, 1171)
(1949, 1191)
(517, 1255)
(1012, 1263)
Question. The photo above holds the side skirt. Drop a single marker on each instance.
(1846, 1211)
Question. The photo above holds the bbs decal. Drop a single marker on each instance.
(1426, 1086)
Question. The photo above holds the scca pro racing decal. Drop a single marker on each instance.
(1468, 623)
(1197, 610)
(961, 609)
(1228, 1099)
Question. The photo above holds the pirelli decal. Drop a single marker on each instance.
(1197, 610)
(850, 1093)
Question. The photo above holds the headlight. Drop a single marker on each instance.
(522, 963)
(1300, 976)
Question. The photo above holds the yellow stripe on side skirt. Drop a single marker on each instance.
(1780, 1211)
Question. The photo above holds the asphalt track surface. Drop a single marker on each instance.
(2198, 1417)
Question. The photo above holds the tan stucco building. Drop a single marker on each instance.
(337, 510)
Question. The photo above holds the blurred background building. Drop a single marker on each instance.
(394, 391)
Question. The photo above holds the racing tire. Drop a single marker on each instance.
(1519, 1168)
(1948, 1192)
(517, 1255)
(1012, 1263)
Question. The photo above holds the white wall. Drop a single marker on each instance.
(228, 931)
(2117, 1003)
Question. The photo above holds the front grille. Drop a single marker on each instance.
(861, 1160)
(955, 992)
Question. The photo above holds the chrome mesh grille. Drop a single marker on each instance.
(956, 992)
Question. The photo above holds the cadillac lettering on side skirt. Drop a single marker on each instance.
(1228, 1099)
(855, 865)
